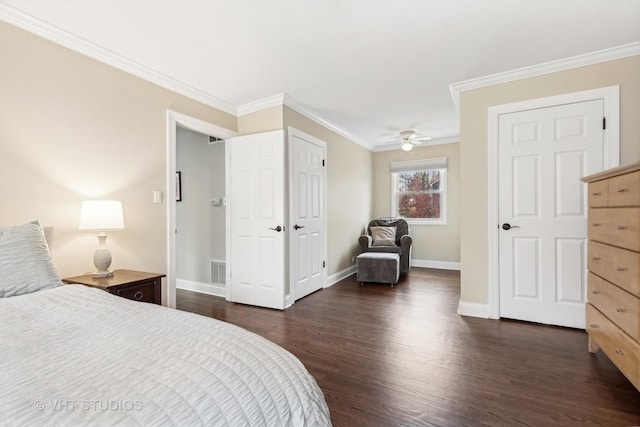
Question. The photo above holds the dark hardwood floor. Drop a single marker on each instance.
(401, 356)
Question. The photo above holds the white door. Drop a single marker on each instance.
(257, 219)
(542, 155)
(307, 213)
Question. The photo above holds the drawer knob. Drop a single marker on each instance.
(138, 295)
(621, 190)
(619, 351)
(620, 227)
(620, 269)
(620, 310)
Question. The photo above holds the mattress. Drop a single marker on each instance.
(74, 355)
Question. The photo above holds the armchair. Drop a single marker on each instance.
(381, 240)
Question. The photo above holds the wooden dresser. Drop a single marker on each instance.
(613, 290)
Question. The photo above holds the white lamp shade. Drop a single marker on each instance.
(101, 215)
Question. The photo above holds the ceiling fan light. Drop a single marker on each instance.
(407, 146)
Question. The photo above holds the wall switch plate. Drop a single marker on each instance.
(157, 196)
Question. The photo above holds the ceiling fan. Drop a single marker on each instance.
(409, 138)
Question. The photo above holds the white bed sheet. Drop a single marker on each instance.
(74, 355)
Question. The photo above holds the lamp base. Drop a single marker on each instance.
(102, 274)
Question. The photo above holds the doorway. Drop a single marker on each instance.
(538, 150)
(177, 120)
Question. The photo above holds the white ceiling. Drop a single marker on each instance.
(371, 67)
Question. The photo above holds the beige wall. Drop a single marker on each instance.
(72, 129)
(349, 204)
(474, 106)
(430, 242)
(261, 121)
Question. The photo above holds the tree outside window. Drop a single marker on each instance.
(420, 195)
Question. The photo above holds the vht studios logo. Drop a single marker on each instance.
(88, 405)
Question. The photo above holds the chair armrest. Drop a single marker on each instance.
(365, 242)
(405, 243)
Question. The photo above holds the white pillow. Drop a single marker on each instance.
(383, 233)
(25, 261)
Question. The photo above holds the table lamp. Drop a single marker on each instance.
(102, 216)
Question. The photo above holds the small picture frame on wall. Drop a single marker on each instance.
(178, 186)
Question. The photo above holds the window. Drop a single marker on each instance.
(419, 191)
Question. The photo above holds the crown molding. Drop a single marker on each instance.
(596, 57)
(282, 99)
(52, 33)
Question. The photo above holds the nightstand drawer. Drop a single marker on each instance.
(145, 292)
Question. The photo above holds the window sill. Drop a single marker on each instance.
(426, 221)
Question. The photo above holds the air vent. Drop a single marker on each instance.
(218, 272)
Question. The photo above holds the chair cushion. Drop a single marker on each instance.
(383, 242)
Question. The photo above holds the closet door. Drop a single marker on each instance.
(257, 221)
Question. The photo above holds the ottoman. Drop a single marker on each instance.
(380, 267)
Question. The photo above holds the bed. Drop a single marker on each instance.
(74, 355)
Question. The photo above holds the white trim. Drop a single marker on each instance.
(291, 133)
(443, 196)
(441, 265)
(611, 101)
(439, 141)
(282, 99)
(202, 288)
(175, 119)
(473, 309)
(340, 275)
(261, 104)
(610, 54)
(47, 31)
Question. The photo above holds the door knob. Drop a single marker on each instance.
(278, 228)
(507, 226)
(297, 227)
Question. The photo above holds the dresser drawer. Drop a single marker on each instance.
(598, 192)
(624, 190)
(618, 266)
(623, 351)
(619, 306)
(616, 226)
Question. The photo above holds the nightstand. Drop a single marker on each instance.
(130, 284)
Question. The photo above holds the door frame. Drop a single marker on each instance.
(611, 100)
(175, 119)
(291, 133)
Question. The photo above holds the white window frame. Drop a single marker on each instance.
(415, 166)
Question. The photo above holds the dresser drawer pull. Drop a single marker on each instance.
(138, 295)
(596, 224)
(620, 269)
(619, 351)
(620, 310)
(622, 190)
(620, 227)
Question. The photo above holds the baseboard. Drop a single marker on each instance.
(442, 265)
(203, 288)
(473, 309)
(343, 274)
